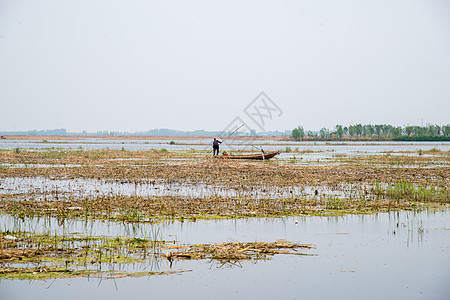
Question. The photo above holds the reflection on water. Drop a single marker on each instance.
(58, 189)
(304, 153)
(405, 253)
(411, 227)
(205, 144)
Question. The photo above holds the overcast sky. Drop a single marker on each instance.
(136, 65)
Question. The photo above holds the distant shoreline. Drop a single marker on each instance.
(204, 137)
(136, 137)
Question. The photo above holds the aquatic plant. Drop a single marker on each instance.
(71, 255)
(407, 191)
(194, 188)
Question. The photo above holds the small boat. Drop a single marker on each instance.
(260, 156)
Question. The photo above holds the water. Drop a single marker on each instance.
(42, 187)
(402, 255)
(322, 153)
(205, 144)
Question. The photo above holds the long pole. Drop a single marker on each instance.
(234, 131)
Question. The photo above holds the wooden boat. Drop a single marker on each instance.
(260, 156)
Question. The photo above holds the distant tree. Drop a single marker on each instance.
(378, 129)
(358, 129)
(432, 130)
(351, 130)
(324, 133)
(419, 131)
(301, 132)
(384, 130)
(396, 131)
(311, 134)
(409, 130)
(439, 130)
(371, 129)
(339, 131)
(446, 130)
(367, 130)
(295, 134)
(387, 130)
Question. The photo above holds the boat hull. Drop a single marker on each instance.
(259, 156)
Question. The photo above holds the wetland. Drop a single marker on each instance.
(112, 216)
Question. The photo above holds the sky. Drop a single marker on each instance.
(137, 65)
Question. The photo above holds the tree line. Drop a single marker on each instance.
(380, 131)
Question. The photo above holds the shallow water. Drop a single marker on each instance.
(401, 255)
(316, 153)
(205, 144)
(42, 187)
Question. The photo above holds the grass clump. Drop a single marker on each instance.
(407, 191)
(70, 255)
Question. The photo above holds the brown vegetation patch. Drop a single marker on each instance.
(362, 187)
(236, 251)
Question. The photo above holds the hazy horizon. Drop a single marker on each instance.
(138, 65)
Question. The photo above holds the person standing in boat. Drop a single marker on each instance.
(216, 146)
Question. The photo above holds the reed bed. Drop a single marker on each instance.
(27, 255)
(208, 188)
(432, 159)
(89, 157)
(153, 186)
(224, 172)
(155, 209)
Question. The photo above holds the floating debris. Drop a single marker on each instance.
(236, 251)
(49, 255)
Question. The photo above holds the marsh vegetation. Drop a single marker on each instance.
(159, 185)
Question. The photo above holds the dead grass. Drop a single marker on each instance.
(250, 178)
(236, 251)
